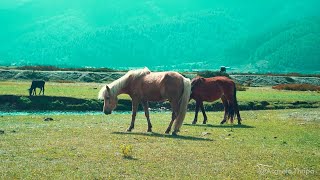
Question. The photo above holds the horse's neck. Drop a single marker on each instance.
(123, 85)
(118, 88)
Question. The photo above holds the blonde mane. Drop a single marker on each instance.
(118, 84)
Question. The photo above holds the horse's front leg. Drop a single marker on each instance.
(205, 118)
(135, 104)
(196, 113)
(146, 112)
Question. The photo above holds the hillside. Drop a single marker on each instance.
(264, 36)
(293, 47)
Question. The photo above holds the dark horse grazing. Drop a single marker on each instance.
(211, 89)
(143, 86)
(36, 84)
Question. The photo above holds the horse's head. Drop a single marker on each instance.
(110, 101)
(196, 82)
(30, 91)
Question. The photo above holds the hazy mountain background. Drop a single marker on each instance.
(247, 35)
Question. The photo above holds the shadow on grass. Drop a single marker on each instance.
(130, 158)
(153, 134)
(221, 125)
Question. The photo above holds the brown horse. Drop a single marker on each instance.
(211, 89)
(143, 86)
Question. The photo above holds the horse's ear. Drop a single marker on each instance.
(199, 78)
(108, 89)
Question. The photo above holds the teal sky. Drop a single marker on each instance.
(158, 33)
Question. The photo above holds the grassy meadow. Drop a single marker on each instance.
(276, 144)
(90, 91)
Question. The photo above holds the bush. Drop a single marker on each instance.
(240, 87)
(207, 74)
(127, 151)
(297, 87)
(24, 102)
(93, 104)
(57, 104)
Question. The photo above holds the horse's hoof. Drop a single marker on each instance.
(167, 132)
(174, 134)
(194, 122)
(204, 122)
(149, 130)
(128, 130)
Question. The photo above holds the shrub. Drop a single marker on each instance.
(297, 87)
(92, 104)
(240, 87)
(57, 104)
(126, 151)
(24, 102)
(207, 74)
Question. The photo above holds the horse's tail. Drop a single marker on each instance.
(183, 104)
(236, 106)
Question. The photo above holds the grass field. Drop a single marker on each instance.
(90, 91)
(278, 144)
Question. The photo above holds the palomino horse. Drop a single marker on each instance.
(143, 86)
(36, 84)
(211, 89)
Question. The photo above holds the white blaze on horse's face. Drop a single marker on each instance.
(110, 101)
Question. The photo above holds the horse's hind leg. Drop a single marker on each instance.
(226, 109)
(231, 111)
(203, 113)
(237, 112)
(196, 113)
(239, 118)
(40, 91)
(174, 108)
(173, 117)
(135, 105)
(146, 112)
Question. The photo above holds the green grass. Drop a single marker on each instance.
(90, 91)
(282, 144)
(76, 89)
(269, 94)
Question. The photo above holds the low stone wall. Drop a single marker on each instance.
(250, 80)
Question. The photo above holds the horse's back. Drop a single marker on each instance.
(38, 83)
(211, 89)
(161, 85)
(220, 81)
